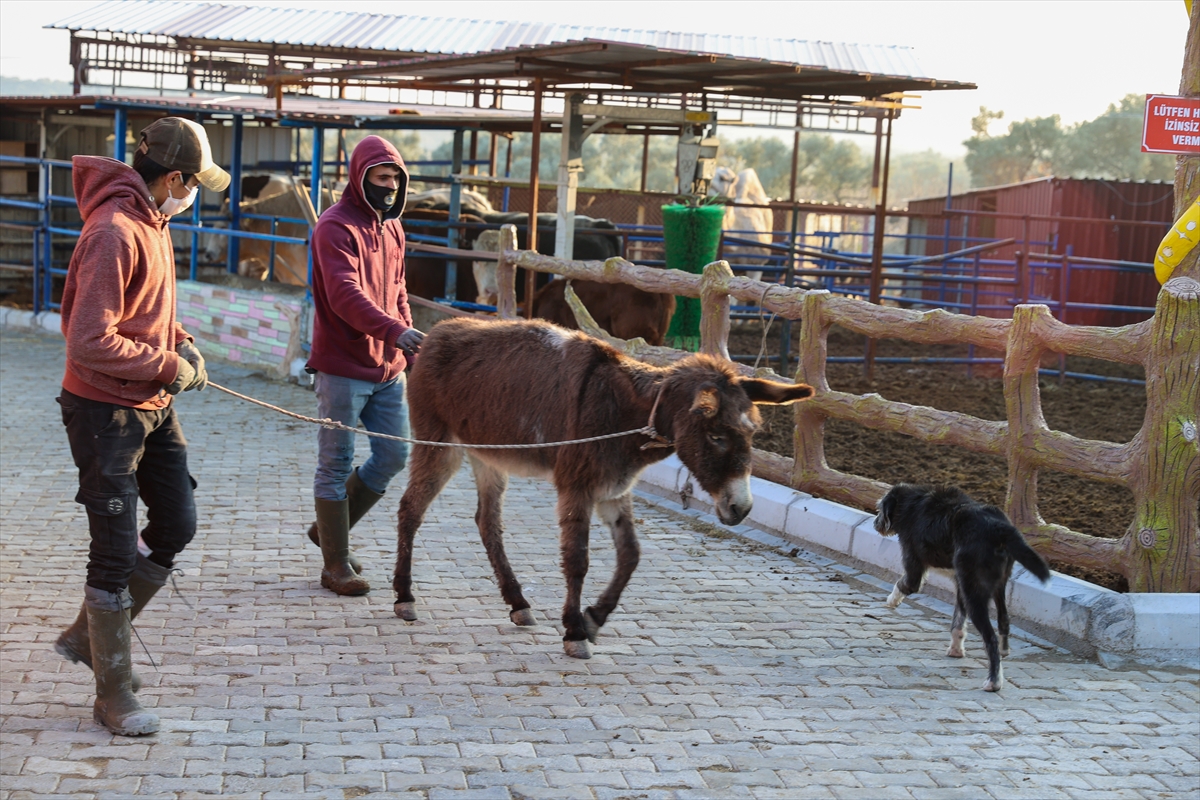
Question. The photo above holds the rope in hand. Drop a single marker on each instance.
(647, 430)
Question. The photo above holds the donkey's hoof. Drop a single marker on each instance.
(580, 649)
(522, 617)
(993, 685)
(590, 625)
(407, 611)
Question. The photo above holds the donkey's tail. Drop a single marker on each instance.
(1026, 557)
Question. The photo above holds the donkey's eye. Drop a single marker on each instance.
(716, 439)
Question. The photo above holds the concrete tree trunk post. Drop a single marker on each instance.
(1162, 545)
(714, 309)
(506, 274)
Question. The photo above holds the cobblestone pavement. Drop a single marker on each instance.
(732, 669)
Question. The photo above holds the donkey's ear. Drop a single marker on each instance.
(774, 392)
(706, 402)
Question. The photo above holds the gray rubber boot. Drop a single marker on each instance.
(110, 632)
(361, 500)
(333, 527)
(144, 583)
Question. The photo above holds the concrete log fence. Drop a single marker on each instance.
(1160, 552)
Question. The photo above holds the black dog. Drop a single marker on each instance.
(942, 528)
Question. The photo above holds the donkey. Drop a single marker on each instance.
(532, 382)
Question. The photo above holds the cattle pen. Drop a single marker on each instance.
(957, 273)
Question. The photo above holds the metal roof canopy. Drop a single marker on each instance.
(296, 111)
(623, 68)
(248, 46)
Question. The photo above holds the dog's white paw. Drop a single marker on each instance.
(956, 643)
(896, 597)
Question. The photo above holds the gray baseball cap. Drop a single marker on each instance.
(178, 143)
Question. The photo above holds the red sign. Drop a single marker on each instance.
(1172, 125)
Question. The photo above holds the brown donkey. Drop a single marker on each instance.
(492, 382)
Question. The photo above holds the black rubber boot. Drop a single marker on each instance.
(144, 583)
(333, 527)
(110, 631)
(361, 500)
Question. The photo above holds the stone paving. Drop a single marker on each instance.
(731, 669)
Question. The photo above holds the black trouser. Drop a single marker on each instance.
(123, 453)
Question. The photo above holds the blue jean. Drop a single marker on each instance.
(382, 409)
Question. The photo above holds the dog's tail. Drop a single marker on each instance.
(1027, 557)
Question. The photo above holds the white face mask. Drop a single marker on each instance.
(177, 205)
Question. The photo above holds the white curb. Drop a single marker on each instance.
(1080, 616)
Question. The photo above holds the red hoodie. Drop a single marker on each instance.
(118, 305)
(359, 295)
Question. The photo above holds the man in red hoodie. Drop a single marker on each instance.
(363, 337)
(126, 358)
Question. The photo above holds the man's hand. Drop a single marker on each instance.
(188, 352)
(184, 380)
(409, 342)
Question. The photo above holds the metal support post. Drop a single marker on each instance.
(194, 255)
(875, 290)
(235, 198)
(120, 131)
(456, 163)
(789, 277)
(569, 167)
(318, 160)
(534, 186)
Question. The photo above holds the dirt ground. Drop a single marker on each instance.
(1084, 408)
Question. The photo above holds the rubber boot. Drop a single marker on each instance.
(361, 501)
(333, 527)
(110, 632)
(144, 583)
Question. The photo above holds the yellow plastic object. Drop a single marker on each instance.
(1178, 242)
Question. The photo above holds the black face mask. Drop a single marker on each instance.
(380, 197)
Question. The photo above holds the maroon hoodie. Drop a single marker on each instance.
(118, 305)
(359, 295)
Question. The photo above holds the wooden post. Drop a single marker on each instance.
(535, 156)
(645, 159)
(714, 309)
(506, 274)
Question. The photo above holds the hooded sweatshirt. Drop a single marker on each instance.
(359, 294)
(118, 304)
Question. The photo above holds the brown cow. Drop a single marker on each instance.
(623, 310)
(529, 382)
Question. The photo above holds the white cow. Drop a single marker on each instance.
(754, 224)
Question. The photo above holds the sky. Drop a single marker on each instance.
(1029, 59)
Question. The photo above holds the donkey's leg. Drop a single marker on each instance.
(429, 471)
(618, 516)
(574, 518)
(490, 484)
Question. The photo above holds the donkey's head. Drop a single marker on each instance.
(713, 431)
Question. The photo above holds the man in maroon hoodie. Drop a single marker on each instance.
(363, 337)
(126, 357)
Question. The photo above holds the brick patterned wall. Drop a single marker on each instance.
(241, 326)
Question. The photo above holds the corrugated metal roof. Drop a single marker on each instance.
(392, 35)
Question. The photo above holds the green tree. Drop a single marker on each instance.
(1109, 147)
(1026, 151)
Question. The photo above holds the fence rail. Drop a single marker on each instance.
(1161, 465)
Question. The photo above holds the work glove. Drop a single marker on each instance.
(184, 379)
(409, 342)
(188, 351)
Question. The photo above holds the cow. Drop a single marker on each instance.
(754, 224)
(471, 202)
(624, 311)
(518, 382)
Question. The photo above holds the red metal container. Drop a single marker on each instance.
(1053, 218)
